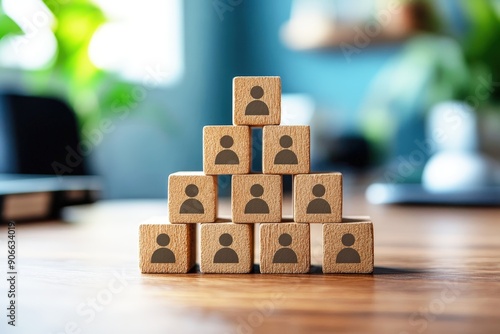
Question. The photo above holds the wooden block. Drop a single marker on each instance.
(226, 150)
(256, 101)
(348, 246)
(256, 198)
(166, 248)
(192, 197)
(317, 198)
(286, 150)
(226, 248)
(285, 248)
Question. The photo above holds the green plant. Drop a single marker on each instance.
(71, 75)
(481, 43)
(7, 26)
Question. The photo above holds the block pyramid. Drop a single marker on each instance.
(168, 244)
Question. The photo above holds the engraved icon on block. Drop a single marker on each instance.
(284, 248)
(317, 198)
(192, 197)
(318, 205)
(286, 150)
(347, 254)
(256, 198)
(285, 156)
(191, 205)
(166, 248)
(256, 101)
(257, 106)
(227, 156)
(226, 247)
(163, 255)
(348, 246)
(285, 254)
(256, 204)
(226, 150)
(226, 254)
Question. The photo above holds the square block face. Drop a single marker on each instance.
(256, 198)
(348, 247)
(256, 101)
(317, 198)
(192, 197)
(166, 248)
(285, 248)
(226, 248)
(286, 150)
(226, 150)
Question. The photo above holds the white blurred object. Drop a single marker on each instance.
(296, 109)
(458, 171)
(452, 126)
(456, 164)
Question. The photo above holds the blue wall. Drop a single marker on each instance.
(165, 134)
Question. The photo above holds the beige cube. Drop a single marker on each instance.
(317, 198)
(226, 150)
(348, 246)
(256, 198)
(286, 150)
(192, 197)
(256, 101)
(166, 248)
(226, 248)
(285, 248)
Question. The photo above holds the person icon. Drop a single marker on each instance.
(286, 156)
(227, 156)
(348, 255)
(257, 107)
(163, 255)
(226, 254)
(318, 205)
(192, 205)
(285, 254)
(256, 205)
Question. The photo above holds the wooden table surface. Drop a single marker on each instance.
(437, 269)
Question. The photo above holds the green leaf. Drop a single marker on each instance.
(7, 25)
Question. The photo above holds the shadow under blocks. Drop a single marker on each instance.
(168, 245)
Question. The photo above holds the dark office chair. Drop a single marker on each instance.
(36, 135)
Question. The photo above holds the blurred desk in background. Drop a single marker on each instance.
(437, 269)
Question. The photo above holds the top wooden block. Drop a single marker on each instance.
(256, 101)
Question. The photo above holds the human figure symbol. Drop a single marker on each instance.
(257, 107)
(226, 254)
(256, 205)
(286, 156)
(285, 254)
(319, 205)
(227, 156)
(348, 255)
(163, 255)
(192, 205)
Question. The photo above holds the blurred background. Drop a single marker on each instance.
(386, 86)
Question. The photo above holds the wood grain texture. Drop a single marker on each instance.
(219, 252)
(252, 194)
(286, 150)
(285, 248)
(166, 248)
(248, 103)
(317, 198)
(192, 197)
(226, 150)
(348, 247)
(436, 271)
